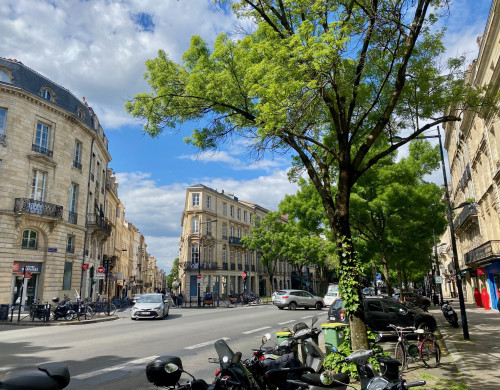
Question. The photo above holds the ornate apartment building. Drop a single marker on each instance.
(473, 147)
(59, 204)
(211, 254)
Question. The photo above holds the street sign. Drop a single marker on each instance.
(99, 276)
(100, 270)
(244, 275)
(85, 266)
(199, 276)
(438, 279)
(379, 277)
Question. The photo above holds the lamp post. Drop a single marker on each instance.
(199, 258)
(456, 265)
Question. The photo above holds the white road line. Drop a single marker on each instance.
(306, 317)
(286, 322)
(138, 362)
(256, 330)
(205, 343)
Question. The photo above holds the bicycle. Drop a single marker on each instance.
(103, 307)
(425, 349)
(82, 309)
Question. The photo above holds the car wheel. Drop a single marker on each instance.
(292, 306)
(319, 306)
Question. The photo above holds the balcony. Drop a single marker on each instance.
(233, 266)
(72, 218)
(486, 252)
(240, 267)
(235, 240)
(78, 165)
(224, 237)
(41, 149)
(252, 267)
(31, 206)
(469, 211)
(224, 266)
(98, 223)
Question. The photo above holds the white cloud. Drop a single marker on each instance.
(156, 210)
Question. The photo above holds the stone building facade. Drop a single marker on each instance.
(473, 147)
(55, 183)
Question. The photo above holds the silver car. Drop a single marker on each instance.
(297, 298)
(150, 306)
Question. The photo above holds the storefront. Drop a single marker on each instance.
(24, 284)
(493, 277)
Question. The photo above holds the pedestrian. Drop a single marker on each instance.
(179, 300)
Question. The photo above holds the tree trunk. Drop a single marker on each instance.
(386, 271)
(405, 278)
(400, 281)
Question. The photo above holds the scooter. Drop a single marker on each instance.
(47, 376)
(450, 314)
(64, 309)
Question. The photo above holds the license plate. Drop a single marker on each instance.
(450, 312)
(145, 313)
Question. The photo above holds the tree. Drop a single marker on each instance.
(329, 80)
(174, 273)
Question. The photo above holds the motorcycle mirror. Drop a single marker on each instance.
(264, 340)
(326, 378)
(268, 336)
(378, 337)
(314, 320)
(236, 358)
(225, 359)
(171, 368)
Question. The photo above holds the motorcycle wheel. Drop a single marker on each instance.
(69, 317)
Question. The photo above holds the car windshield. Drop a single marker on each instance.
(332, 294)
(337, 304)
(151, 299)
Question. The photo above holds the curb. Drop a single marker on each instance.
(60, 323)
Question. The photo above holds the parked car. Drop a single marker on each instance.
(330, 297)
(416, 299)
(297, 298)
(380, 312)
(151, 306)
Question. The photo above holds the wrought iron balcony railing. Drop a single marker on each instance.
(224, 266)
(488, 250)
(72, 217)
(233, 266)
(70, 249)
(240, 267)
(41, 149)
(96, 220)
(235, 240)
(76, 164)
(467, 212)
(31, 206)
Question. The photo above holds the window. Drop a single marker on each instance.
(209, 202)
(244, 216)
(38, 185)
(239, 233)
(208, 230)
(77, 155)
(232, 231)
(4, 76)
(68, 270)
(81, 113)
(224, 231)
(224, 258)
(196, 199)
(224, 208)
(42, 138)
(195, 225)
(46, 94)
(30, 239)
(3, 120)
(70, 244)
(238, 213)
(73, 194)
(250, 217)
(231, 211)
(194, 254)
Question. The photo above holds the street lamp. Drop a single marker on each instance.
(463, 314)
(199, 257)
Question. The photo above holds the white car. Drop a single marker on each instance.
(150, 306)
(331, 297)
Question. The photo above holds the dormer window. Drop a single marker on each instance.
(81, 113)
(4, 76)
(48, 94)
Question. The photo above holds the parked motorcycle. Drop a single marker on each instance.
(47, 376)
(450, 314)
(64, 309)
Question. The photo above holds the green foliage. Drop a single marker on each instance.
(174, 273)
(336, 360)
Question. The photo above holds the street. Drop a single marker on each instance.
(114, 354)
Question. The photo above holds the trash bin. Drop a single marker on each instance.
(283, 335)
(4, 312)
(334, 335)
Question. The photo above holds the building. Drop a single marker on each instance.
(473, 147)
(60, 216)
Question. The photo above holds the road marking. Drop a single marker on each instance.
(286, 322)
(138, 362)
(205, 343)
(256, 330)
(306, 317)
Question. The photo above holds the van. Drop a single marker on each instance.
(333, 288)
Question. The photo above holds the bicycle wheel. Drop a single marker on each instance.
(89, 313)
(430, 353)
(400, 354)
(109, 309)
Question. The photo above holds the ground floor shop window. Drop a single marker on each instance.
(68, 270)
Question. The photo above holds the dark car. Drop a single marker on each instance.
(416, 299)
(381, 311)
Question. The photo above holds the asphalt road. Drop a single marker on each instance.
(114, 354)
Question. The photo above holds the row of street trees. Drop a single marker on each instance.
(329, 80)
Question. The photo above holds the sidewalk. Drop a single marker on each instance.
(473, 362)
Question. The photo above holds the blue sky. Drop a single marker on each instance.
(97, 50)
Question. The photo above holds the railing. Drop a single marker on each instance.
(224, 237)
(70, 249)
(468, 211)
(194, 266)
(224, 266)
(76, 164)
(235, 240)
(240, 267)
(252, 267)
(72, 217)
(97, 220)
(486, 251)
(41, 149)
(233, 267)
(31, 206)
